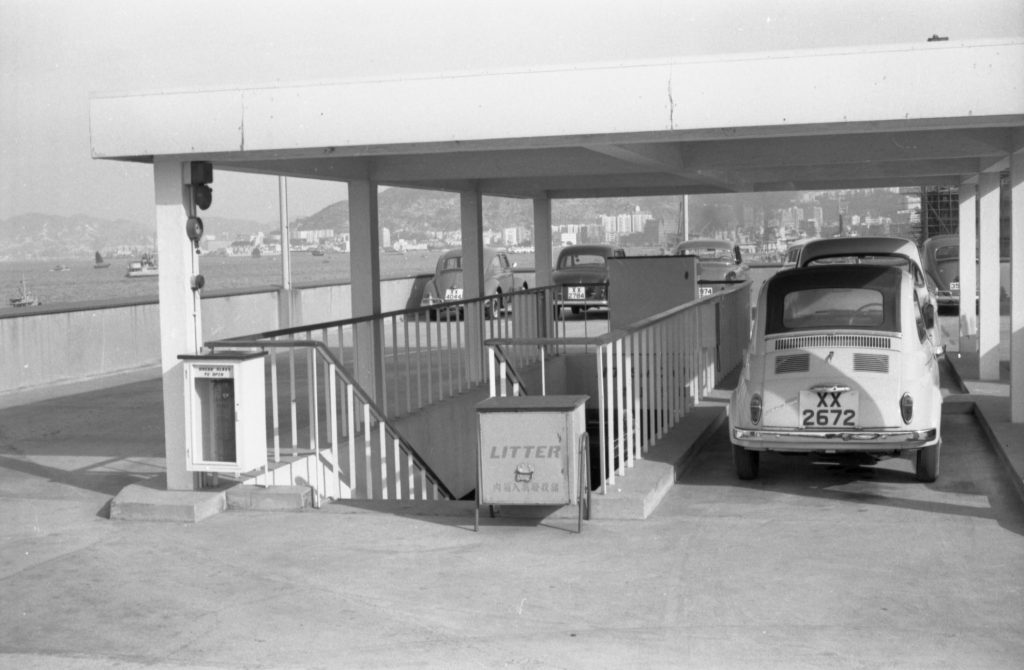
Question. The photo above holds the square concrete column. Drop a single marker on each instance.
(364, 263)
(542, 241)
(988, 278)
(1017, 286)
(288, 313)
(472, 226)
(180, 313)
(968, 265)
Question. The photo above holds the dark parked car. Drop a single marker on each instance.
(941, 258)
(447, 283)
(581, 275)
(717, 261)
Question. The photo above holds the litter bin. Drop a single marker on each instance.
(533, 450)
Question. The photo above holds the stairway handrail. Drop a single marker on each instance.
(340, 371)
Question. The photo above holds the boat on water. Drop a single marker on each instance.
(60, 267)
(144, 267)
(100, 263)
(24, 298)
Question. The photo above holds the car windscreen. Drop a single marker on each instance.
(581, 259)
(709, 253)
(830, 298)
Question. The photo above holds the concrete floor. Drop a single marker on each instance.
(813, 565)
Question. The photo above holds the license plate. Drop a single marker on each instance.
(577, 293)
(453, 294)
(954, 286)
(829, 409)
(705, 291)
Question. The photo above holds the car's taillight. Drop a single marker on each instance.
(755, 409)
(907, 408)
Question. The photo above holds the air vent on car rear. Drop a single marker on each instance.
(792, 363)
(832, 340)
(871, 363)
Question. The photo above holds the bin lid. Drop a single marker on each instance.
(532, 403)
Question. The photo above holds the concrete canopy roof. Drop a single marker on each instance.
(916, 114)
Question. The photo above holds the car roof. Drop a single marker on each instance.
(706, 242)
(852, 246)
(603, 249)
(488, 252)
(942, 241)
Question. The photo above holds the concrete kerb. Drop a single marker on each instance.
(634, 496)
(989, 402)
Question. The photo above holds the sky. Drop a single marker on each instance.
(55, 54)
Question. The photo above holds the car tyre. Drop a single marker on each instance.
(926, 464)
(747, 462)
(492, 308)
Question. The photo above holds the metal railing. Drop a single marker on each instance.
(649, 374)
(429, 354)
(319, 413)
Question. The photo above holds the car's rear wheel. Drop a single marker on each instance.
(747, 462)
(927, 464)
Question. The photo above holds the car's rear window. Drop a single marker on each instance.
(866, 259)
(833, 308)
(576, 260)
(947, 253)
(452, 263)
(834, 297)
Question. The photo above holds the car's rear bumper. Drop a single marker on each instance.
(832, 440)
(586, 302)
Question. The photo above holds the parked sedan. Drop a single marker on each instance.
(447, 284)
(581, 276)
(941, 258)
(717, 261)
(839, 361)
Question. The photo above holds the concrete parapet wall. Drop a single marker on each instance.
(61, 348)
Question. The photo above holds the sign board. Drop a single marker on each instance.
(642, 286)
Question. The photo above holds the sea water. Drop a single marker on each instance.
(83, 283)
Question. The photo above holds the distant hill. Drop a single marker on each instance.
(42, 236)
(411, 209)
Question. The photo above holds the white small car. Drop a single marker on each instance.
(839, 361)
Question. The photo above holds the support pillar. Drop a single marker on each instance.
(968, 266)
(287, 305)
(542, 260)
(988, 279)
(180, 313)
(364, 255)
(1017, 286)
(472, 220)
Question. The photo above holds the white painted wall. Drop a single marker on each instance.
(54, 348)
